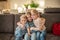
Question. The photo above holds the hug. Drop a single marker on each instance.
(30, 27)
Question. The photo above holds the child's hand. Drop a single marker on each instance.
(18, 23)
(29, 34)
(32, 28)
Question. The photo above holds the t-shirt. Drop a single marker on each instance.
(38, 22)
(30, 24)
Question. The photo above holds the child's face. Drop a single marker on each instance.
(34, 16)
(29, 17)
(23, 20)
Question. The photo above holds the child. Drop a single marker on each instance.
(21, 29)
(39, 23)
(30, 34)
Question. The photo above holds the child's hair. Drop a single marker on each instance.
(23, 16)
(28, 13)
(34, 11)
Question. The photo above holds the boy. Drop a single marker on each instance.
(39, 23)
(30, 34)
(21, 29)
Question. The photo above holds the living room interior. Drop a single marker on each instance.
(14, 5)
(11, 10)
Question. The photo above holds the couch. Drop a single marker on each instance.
(50, 20)
(8, 25)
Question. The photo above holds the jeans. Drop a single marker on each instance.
(37, 35)
(18, 38)
(32, 37)
(19, 34)
(41, 35)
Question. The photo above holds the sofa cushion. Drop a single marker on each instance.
(5, 36)
(12, 38)
(52, 10)
(50, 20)
(6, 23)
(50, 36)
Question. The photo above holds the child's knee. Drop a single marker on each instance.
(38, 33)
(42, 34)
(33, 35)
(26, 35)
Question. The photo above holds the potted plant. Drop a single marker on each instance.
(26, 6)
(34, 5)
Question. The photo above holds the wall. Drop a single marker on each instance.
(19, 2)
(48, 3)
(52, 3)
(3, 5)
(10, 3)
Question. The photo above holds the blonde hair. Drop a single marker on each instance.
(23, 16)
(34, 11)
(28, 13)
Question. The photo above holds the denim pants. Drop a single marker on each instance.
(37, 35)
(32, 37)
(19, 34)
(18, 38)
(40, 35)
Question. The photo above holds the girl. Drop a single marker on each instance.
(39, 23)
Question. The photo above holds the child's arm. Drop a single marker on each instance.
(28, 29)
(40, 25)
(18, 23)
